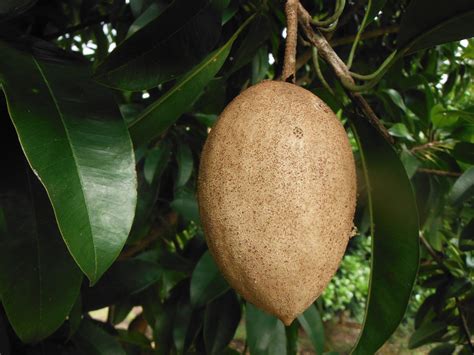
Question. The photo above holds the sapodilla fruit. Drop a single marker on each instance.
(277, 193)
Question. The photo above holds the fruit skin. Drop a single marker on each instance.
(277, 194)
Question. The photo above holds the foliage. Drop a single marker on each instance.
(106, 107)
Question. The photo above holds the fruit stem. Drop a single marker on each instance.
(340, 69)
(289, 64)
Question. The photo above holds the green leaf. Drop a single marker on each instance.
(186, 205)
(463, 188)
(292, 333)
(152, 12)
(464, 151)
(156, 161)
(396, 98)
(11, 8)
(400, 130)
(93, 340)
(39, 281)
(395, 243)
(187, 322)
(165, 48)
(466, 240)
(123, 279)
(312, 324)
(442, 118)
(426, 23)
(443, 349)
(75, 317)
(220, 322)
(184, 157)
(180, 98)
(265, 333)
(75, 140)
(427, 333)
(207, 282)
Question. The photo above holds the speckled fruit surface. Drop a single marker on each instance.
(277, 193)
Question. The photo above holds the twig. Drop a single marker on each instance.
(465, 326)
(291, 10)
(382, 31)
(439, 172)
(341, 71)
(425, 146)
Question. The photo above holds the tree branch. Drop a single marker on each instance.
(465, 325)
(291, 10)
(340, 69)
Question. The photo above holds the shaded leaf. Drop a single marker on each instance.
(186, 205)
(123, 279)
(466, 240)
(11, 8)
(312, 324)
(93, 340)
(220, 322)
(39, 281)
(151, 13)
(184, 157)
(164, 48)
(207, 282)
(156, 161)
(395, 244)
(265, 333)
(426, 23)
(429, 332)
(443, 349)
(76, 142)
(464, 151)
(463, 188)
(180, 98)
(400, 130)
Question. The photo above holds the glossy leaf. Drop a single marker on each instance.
(220, 322)
(93, 340)
(427, 333)
(164, 48)
(123, 279)
(463, 188)
(161, 114)
(151, 13)
(426, 23)
(207, 282)
(184, 157)
(395, 244)
(75, 140)
(265, 333)
(39, 281)
(312, 324)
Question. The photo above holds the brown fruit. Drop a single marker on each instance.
(277, 192)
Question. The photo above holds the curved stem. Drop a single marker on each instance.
(330, 28)
(340, 4)
(356, 41)
(319, 73)
(383, 67)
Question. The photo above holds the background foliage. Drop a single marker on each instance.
(106, 107)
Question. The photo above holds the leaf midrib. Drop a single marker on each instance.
(60, 114)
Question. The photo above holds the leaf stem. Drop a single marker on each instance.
(319, 73)
(340, 4)
(357, 38)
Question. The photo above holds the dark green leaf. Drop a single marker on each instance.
(426, 23)
(220, 322)
(207, 282)
(10, 8)
(395, 243)
(186, 324)
(292, 338)
(156, 161)
(92, 340)
(39, 281)
(4, 341)
(184, 157)
(463, 188)
(123, 279)
(165, 48)
(265, 333)
(75, 317)
(466, 240)
(400, 130)
(121, 310)
(427, 333)
(151, 13)
(185, 204)
(179, 99)
(464, 152)
(443, 349)
(312, 324)
(76, 142)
